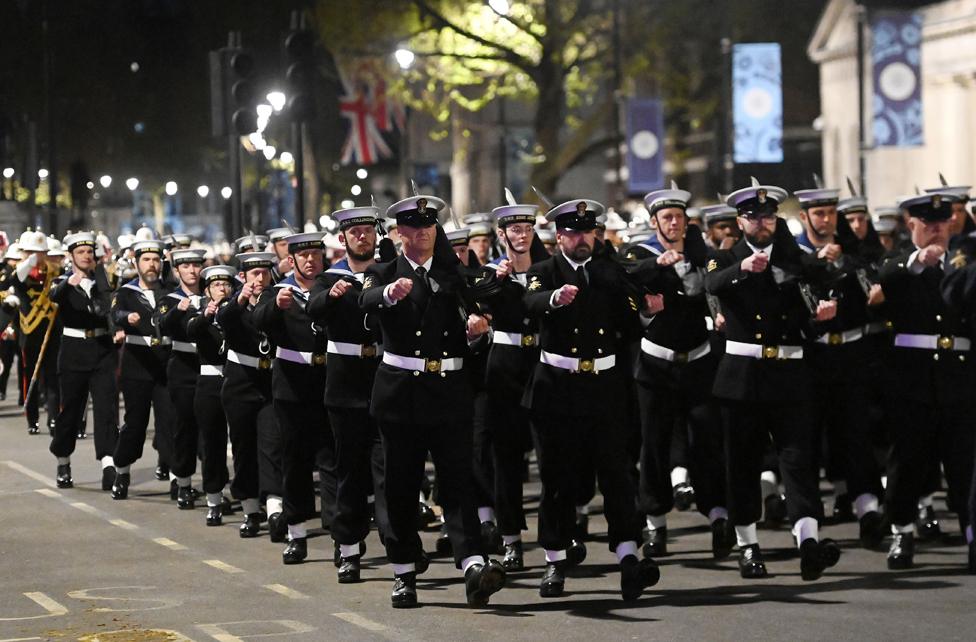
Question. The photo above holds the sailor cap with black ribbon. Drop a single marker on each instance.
(459, 236)
(218, 273)
(178, 241)
(147, 246)
(353, 216)
(250, 260)
(931, 206)
(479, 229)
(416, 211)
(961, 191)
(188, 255)
(665, 198)
(577, 215)
(251, 243)
(852, 205)
(305, 241)
(757, 200)
(717, 213)
(79, 239)
(546, 235)
(515, 213)
(278, 233)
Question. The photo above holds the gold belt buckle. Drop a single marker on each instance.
(946, 343)
(681, 357)
(528, 340)
(318, 359)
(89, 334)
(586, 365)
(369, 352)
(154, 341)
(264, 363)
(432, 366)
(835, 338)
(770, 352)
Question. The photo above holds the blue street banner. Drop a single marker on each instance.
(896, 39)
(757, 103)
(645, 145)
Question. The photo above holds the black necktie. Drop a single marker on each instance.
(422, 275)
(581, 278)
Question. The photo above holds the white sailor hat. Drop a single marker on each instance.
(757, 200)
(479, 229)
(187, 255)
(459, 236)
(665, 198)
(125, 242)
(252, 242)
(517, 213)
(931, 206)
(819, 197)
(962, 191)
(416, 211)
(353, 216)
(174, 241)
(278, 233)
(578, 215)
(54, 247)
(218, 273)
(144, 234)
(716, 213)
(614, 222)
(78, 239)
(147, 246)
(546, 235)
(389, 223)
(31, 241)
(250, 260)
(852, 205)
(13, 252)
(479, 217)
(305, 241)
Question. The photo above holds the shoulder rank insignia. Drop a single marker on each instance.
(535, 284)
(633, 303)
(959, 260)
(162, 309)
(712, 265)
(368, 282)
(631, 256)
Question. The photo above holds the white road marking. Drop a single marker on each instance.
(221, 634)
(47, 492)
(121, 523)
(223, 566)
(360, 621)
(19, 639)
(287, 592)
(46, 603)
(170, 544)
(87, 508)
(24, 470)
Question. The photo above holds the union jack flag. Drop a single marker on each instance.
(373, 116)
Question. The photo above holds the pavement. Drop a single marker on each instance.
(77, 565)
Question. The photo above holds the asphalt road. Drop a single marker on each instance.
(77, 565)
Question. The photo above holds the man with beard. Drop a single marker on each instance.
(583, 313)
(142, 376)
(762, 380)
(353, 357)
(86, 361)
(723, 232)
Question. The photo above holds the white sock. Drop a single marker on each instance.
(511, 539)
(865, 503)
(679, 475)
(273, 504)
(555, 556)
(296, 531)
(840, 487)
(746, 535)
(122, 469)
(767, 480)
(64, 460)
(655, 522)
(184, 482)
(401, 569)
(213, 499)
(626, 548)
(250, 506)
(486, 514)
(582, 509)
(926, 501)
(172, 475)
(107, 461)
(884, 481)
(348, 550)
(422, 498)
(806, 528)
(468, 562)
(907, 528)
(717, 513)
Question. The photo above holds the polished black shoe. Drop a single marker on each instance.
(843, 508)
(82, 435)
(32, 428)
(751, 564)
(174, 490)
(723, 539)
(337, 556)
(901, 554)
(637, 575)
(404, 594)
(684, 496)
(811, 561)
(582, 531)
(251, 526)
(3, 396)
(64, 476)
(226, 506)
(185, 500)
(214, 516)
(120, 487)
(481, 580)
(348, 570)
(657, 543)
(576, 553)
(514, 557)
(869, 527)
(775, 510)
(927, 525)
(425, 516)
(277, 528)
(108, 476)
(553, 582)
(296, 552)
(162, 472)
(491, 539)
(971, 565)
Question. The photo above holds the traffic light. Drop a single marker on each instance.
(232, 93)
(299, 54)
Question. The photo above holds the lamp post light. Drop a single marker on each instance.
(226, 192)
(105, 181)
(171, 188)
(404, 58)
(132, 183)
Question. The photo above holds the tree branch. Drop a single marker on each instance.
(518, 24)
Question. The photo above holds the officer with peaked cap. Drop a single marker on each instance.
(930, 377)
(354, 354)
(422, 398)
(960, 224)
(142, 375)
(247, 398)
(762, 380)
(583, 310)
(86, 361)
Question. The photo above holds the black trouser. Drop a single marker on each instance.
(920, 433)
(270, 452)
(481, 448)
(185, 430)
(699, 424)
(139, 395)
(359, 469)
(325, 463)
(508, 423)
(8, 349)
(75, 387)
(47, 375)
(213, 432)
(247, 419)
(563, 443)
(304, 433)
(405, 448)
(748, 427)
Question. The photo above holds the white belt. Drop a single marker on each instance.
(419, 365)
(932, 342)
(142, 340)
(709, 323)
(515, 339)
(756, 351)
(262, 363)
(212, 371)
(876, 327)
(668, 354)
(838, 338)
(304, 358)
(370, 351)
(79, 333)
(578, 365)
(184, 346)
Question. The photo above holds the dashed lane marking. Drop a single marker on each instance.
(24, 470)
(360, 621)
(223, 566)
(170, 544)
(121, 523)
(281, 589)
(47, 492)
(86, 508)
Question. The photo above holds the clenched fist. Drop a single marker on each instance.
(755, 263)
(670, 258)
(565, 295)
(284, 298)
(245, 294)
(477, 326)
(826, 310)
(831, 252)
(653, 303)
(504, 269)
(183, 305)
(400, 288)
(930, 255)
(133, 318)
(339, 288)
